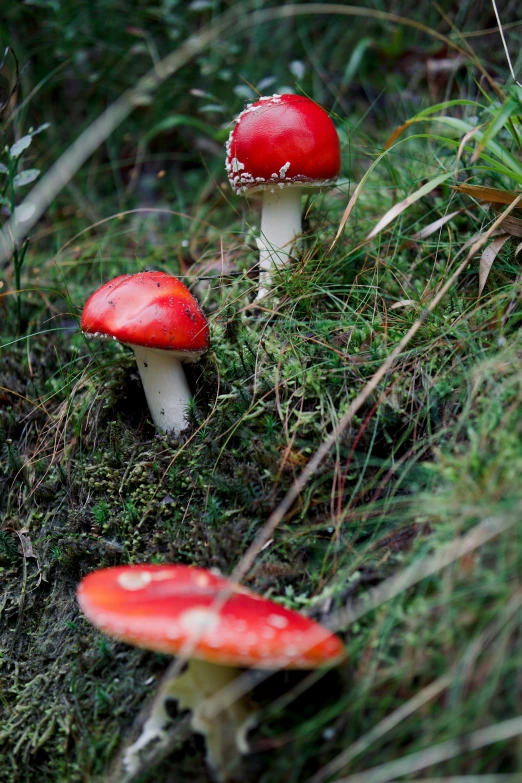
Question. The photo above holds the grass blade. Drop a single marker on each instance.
(399, 208)
(504, 112)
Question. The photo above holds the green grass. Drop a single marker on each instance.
(421, 485)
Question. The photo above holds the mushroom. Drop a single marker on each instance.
(221, 626)
(280, 145)
(156, 315)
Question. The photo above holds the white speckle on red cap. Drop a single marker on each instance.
(202, 580)
(160, 576)
(251, 638)
(199, 620)
(134, 581)
(237, 165)
(277, 620)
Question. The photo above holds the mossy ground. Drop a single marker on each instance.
(86, 482)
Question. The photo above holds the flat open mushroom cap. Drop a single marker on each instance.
(151, 309)
(282, 141)
(170, 609)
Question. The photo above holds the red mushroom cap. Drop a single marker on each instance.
(282, 140)
(168, 607)
(152, 309)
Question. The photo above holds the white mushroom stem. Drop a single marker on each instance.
(165, 385)
(207, 689)
(280, 225)
(203, 688)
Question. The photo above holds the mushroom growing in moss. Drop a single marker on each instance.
(221, 626)
(156, 315)
(281, 145)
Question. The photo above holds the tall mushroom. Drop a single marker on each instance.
(280, 145)
(156, 315)
(186, 610)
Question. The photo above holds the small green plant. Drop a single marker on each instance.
(14, 178)
(101, 512)
(56, 554)
(132, 514)
(214, 510)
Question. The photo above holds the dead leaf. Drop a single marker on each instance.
(494, 195)
(462, 146)
(488, 257)
(511, 225)
(26, 545)
(292, 457)
(430, 229)
(396, 133)
(404, 303)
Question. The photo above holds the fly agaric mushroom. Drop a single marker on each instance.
(182, 609)
(156, 315)
(280, 145)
